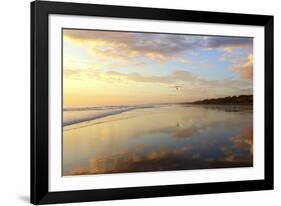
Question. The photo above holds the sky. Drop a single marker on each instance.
(128, 68)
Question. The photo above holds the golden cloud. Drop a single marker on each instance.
(120, 46)
(156, 47)
(244, 68)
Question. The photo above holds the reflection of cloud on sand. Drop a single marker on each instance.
(244, 140)
(191, 123)
(240, 151)
(161, 139)
(163, 159)
(237, 154)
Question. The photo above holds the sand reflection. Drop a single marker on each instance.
(159, 139)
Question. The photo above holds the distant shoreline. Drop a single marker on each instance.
(221, 104)
(230, 100)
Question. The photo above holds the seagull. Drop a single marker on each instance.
(177, 87)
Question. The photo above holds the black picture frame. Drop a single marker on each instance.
(40, 108)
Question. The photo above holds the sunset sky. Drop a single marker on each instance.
(117, 68)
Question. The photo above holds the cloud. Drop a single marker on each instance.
(171, 78)
(230, 42)
(181, 77)
(121, 46)
(244, 68)
(192, 85)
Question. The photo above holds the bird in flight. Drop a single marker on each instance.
(177, 87)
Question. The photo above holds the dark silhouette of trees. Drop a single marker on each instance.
(242, 99)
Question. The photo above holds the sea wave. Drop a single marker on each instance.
(80, 114)
(93, 108)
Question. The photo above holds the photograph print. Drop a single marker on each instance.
(150, 102)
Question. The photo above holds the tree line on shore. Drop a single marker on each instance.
(241, 99)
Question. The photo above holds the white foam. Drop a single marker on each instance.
(78, 115)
